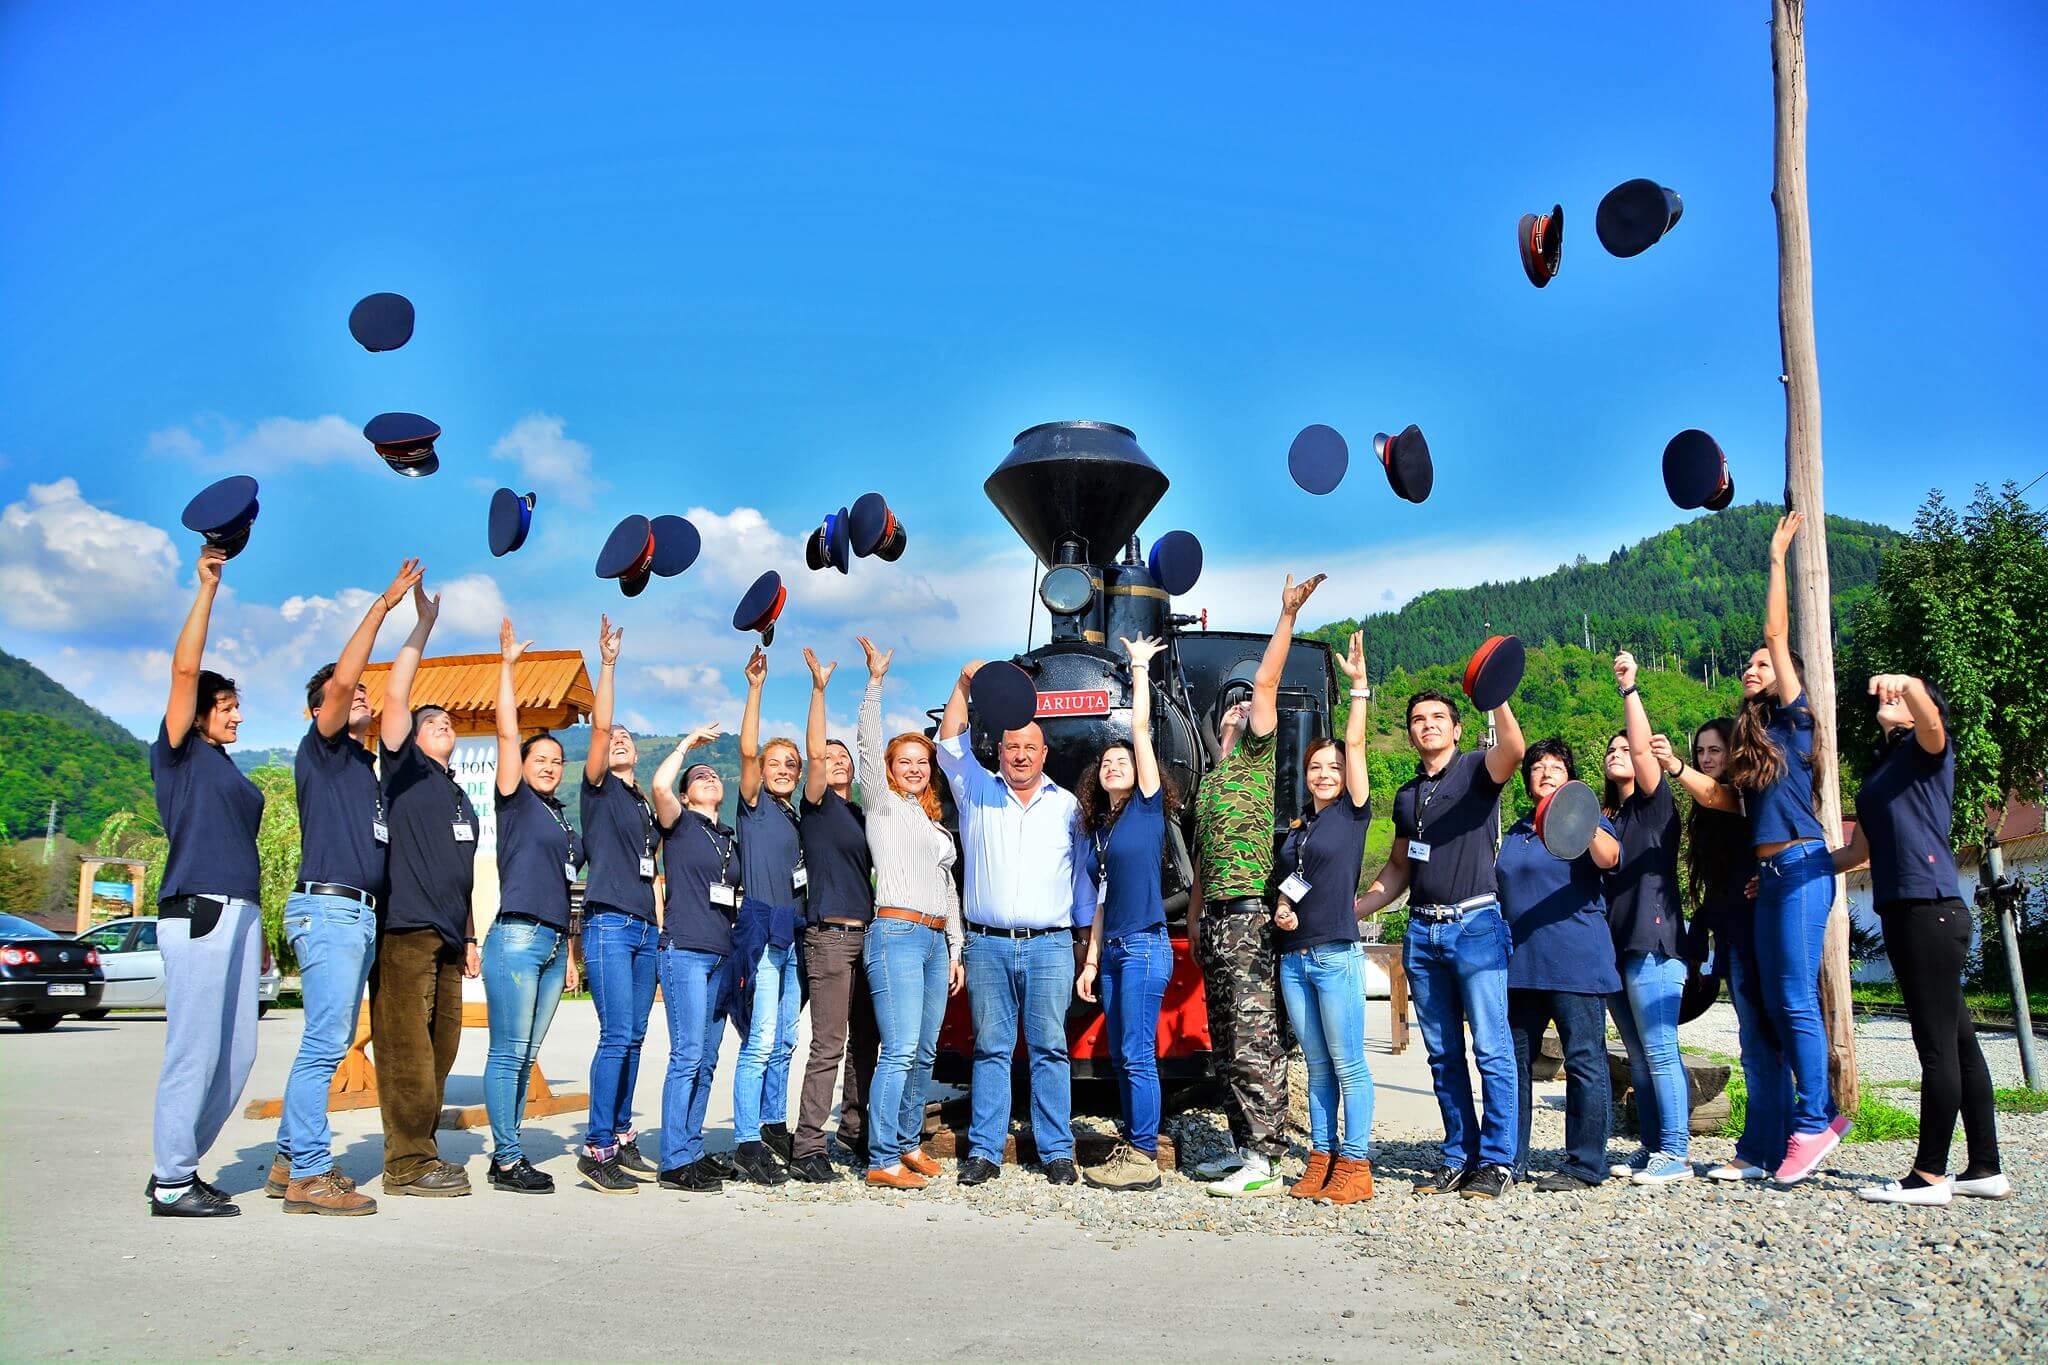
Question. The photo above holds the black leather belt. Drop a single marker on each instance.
(986, 932)
(1241, 905)
(347, 893)
(836, 927)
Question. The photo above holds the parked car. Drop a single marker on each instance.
(45, 976)
(135, 967)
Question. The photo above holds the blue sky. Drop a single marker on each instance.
(748, 269)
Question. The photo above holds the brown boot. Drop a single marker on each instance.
(916, 1160)
(280, 1177)
(325, 1194)
(1315, 1179)
(1350, 1182)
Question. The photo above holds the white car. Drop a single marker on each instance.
(134, 967)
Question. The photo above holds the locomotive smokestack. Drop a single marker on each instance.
(1086, 485)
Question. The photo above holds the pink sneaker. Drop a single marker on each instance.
(1840, 1125)
(1804, 1152)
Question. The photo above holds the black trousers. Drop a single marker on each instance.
(1588, 1094)
(1929, 944)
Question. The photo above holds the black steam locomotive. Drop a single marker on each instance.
(1076, 492)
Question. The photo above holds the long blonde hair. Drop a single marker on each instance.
(928, 799)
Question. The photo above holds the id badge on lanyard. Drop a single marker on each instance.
(1418, 852)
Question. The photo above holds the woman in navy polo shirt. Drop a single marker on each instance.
(1561, 969)
(526, 953)
(1903, 816)
(1124, 808)
(210, 926)
(1322, 968)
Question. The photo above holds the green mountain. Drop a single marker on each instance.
(89, 776)
(724, 755)
(24, 687)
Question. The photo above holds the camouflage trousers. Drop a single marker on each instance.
(1240, 973)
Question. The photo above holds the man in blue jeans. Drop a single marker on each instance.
(1020, 832)
(1446, 824)
(331, 915)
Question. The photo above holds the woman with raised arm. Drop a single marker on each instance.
(841, 902)
(1647, 921)
(701, 857)
(912, 954)
(1124, 809)
(1322, 966)
(210, 926)
(526, 953)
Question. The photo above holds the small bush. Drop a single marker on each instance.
(2018, 1099)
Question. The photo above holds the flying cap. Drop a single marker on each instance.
(1409, 471)
(1696, 472)
(1175, 562)
(628, 555)
(511, 517)
(875, 530)
(1003, 696)
(1494, 671)
(405, 440)
(762, 604)
(1317, 459)
(1567, 820)
(827, 547)
(1541, 238)
(223, 512)
(381, 322)
(676, 544)
(1635, 215)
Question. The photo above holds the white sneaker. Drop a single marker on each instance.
(1892, 1192)
(1989, 1187)
(1255, 1177)
(1216, 1167)
(1736, 1170)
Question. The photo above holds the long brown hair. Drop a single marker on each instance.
(1754, 760)
(1716, 842)
(1097, 810)
(928, 799)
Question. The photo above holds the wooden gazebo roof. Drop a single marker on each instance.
(552, 685)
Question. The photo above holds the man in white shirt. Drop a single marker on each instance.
(1020, 833)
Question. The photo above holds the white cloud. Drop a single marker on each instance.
(549, 461)
(66, 563)
(273, 443)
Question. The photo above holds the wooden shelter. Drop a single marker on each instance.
(552, 685)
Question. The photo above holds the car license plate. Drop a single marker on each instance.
(56, 989)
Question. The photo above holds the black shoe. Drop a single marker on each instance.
(521, 1178)
(1447, 1180)
(1060, 1171)
(1488, 1182)
(720, 1165)
(634, 1164)
(979, 1171)
(814, 1169)
(1562, 1182)
(605, 1176)
(856, 1152)
(695, 1178)
(757, 1165)
(198, 1200)
(779, 1141)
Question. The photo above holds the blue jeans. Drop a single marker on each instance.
(1767, 1120)
(1132, 982)
(1458, 975)
(335, 941)
(1028, 981)
(906, 967)
(1582, 1032)
(1795, 892)
(524, 966)
(619, 952)
(760, 1083)
(689, 987)
(1324, 988)
(1646, 1013)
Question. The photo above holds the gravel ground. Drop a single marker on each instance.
(1884, 1047)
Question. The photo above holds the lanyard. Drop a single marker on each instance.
(723, 848)
(646, 821)
(1426, 790)
(796, 827)
(561, 822)
(462, 815)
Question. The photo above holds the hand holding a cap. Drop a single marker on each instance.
(821, 674)
(878, 659)
(211, 558)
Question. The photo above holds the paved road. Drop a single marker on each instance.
(85, 1270)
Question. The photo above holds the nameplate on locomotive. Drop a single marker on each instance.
(1087, 701)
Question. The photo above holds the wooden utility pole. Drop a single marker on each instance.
(1807, 569)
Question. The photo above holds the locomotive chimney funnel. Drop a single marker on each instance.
(1081, 483)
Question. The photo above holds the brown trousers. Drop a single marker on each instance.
(840, 1005)
(415, 1029)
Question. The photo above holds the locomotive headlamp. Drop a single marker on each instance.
(1066, 590)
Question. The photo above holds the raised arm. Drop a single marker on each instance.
(332, 717)
(750, 727)
(1389, 884)
(867, 733)
(1928, 727)
(954, 720)
(815, 775)
(1146, 758)
(1701, 788)
(397, 723)
(511, 772)
(599, 760)
(1357, 773)
(1778, 612)
(1636, 721)
(183, 707)
(1508, 745)
(1265, 715)
(668, 806)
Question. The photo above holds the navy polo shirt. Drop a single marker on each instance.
(1783, 811)
(340, 806)
(769, 850)
(535, 847)
(1455, 813)
(210, 813)
(432, 870)
(618, 831)
(834, 836)
(1557, 917)
(1643, 909)
(1327, 849)
(1128, 853)
(1906, 808)
(695, 853)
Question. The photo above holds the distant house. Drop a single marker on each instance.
(2024, 841)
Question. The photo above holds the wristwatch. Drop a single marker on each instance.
(1362, 693)
(1630, 690)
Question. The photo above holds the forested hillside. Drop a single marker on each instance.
(24, 687)
(89, 777)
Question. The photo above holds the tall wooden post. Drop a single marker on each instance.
(1807, 569)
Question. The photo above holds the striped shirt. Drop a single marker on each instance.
(913, 854)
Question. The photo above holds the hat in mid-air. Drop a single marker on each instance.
(1635, 215)
(405, 441)
(223, 512)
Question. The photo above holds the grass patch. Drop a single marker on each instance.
(2018, 1099)
(1981, 1002)
(1898, 1085)
(1879, 1120)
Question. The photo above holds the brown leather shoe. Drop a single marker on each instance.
(898, 1180)
(1316, 1178)
(326, 1194)
(441, 1180)
(1350, 1182)
(280, 1177)
(916, 1160)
